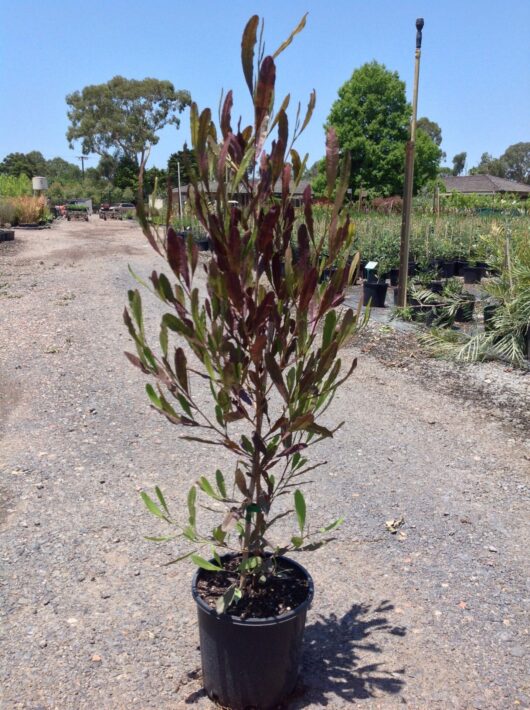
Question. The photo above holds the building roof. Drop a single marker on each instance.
(483, 184)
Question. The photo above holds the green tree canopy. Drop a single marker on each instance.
(516, 158)
(459, 162)
(188, 162)
(488, 165)
(30, 164)
(431, 128)
(124, 115)
(62, 170)
(371, 118)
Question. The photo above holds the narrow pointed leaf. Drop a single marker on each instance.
(151, 506)
(300, 507)
(247, 50)
(204, 564)
(289, 39)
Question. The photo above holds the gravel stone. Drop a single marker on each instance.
(443, 445)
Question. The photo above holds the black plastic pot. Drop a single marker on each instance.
(460, 265)
(464, 313)
(436, 286)
(6, 235)
(203, 244)
(472, 274)
(436, 265)
(394, 277)
(251, 663)
(327, 273)
(448, 269)
(489, 312)
(374, 293)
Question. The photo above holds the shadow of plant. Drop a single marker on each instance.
(333, 648)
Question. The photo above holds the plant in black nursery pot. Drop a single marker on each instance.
(262, 339)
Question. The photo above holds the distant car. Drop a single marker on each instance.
(125, 207)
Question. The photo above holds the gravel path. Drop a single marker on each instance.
(432, 617)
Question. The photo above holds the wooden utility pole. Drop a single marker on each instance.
(82, 158)
(409, 178)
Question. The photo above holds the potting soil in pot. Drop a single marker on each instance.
(277, 595)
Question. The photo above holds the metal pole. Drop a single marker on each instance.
(180, 193)
(409, 178)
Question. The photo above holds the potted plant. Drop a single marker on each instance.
(375, 285)
(262, 337)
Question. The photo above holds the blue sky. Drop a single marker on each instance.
(474, 79)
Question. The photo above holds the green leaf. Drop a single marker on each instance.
(204, 564)
(185, 405)
(297, 541)
(219, 479)
(247, 445)
(163, 339)
(329, 328)
(250, 564)
(192, 497)
(219, 535)
(135, 302)
(300, 507)
(161, 498)
(178, 559)
(190, 534)
(232, 594)
(151, 506)
(205, 485)
(163, 538)
(155, 400)
(332, 526)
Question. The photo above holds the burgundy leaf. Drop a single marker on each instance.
(137, 362)
(264, 92)
(226, 112)
(293, 449)
(176, 255)
(247, 50)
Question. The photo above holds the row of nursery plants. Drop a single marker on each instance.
(464, 237)
(23, 209)
(506, 310)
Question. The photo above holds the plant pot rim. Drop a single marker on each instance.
(267, 621)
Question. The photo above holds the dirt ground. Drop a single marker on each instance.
(434, 616)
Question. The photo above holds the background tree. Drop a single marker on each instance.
(459, 162)
(188, 163)
(30, 164)
(431, 128)
(123, 115)
(516, 159)
(62, 170)
(488, 165)
(107, 166)
(150, 178)
(371, 118)
(126, 172)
